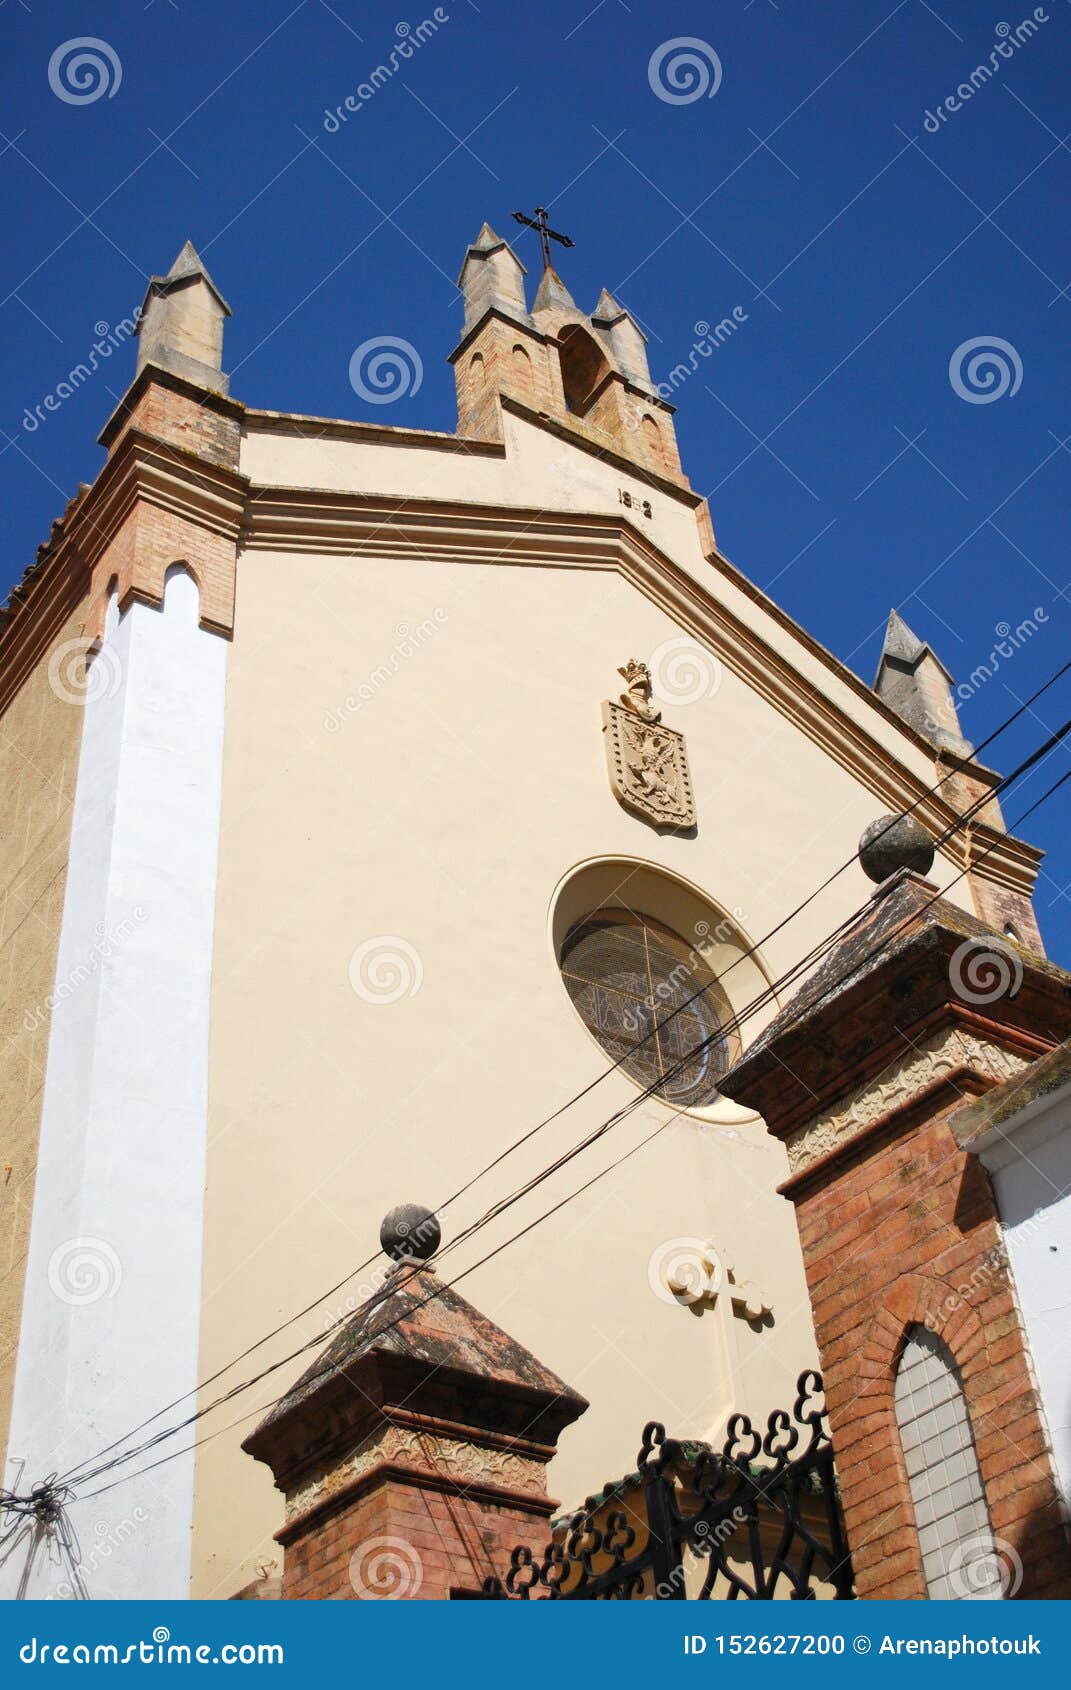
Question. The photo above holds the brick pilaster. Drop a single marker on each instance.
(899, 1228)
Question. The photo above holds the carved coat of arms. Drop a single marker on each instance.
(647, 761)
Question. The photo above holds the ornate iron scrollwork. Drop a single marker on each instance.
(694, 1521)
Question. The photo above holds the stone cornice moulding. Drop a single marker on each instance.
(374, 434)
(425, 1479)
(207, 502)
(599, 447)
(146, 467)
(363, 525)
(143, 469)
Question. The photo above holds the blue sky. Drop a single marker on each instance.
(862, 245)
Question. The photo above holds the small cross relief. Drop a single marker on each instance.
(700, 1281)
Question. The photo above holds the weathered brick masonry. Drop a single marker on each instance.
(858, 1076)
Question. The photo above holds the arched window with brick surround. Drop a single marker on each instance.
(959, 1556)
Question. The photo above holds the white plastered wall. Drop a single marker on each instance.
(1029, 1160)
(111, 1312)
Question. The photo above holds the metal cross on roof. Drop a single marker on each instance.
(545, 232)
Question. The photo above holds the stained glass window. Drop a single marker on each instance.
(651, 1001)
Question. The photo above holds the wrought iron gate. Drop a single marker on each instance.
(695, 1523)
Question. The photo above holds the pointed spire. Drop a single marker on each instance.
(553, 295)
(180, 324)
(492, 277)
(915, 683)
(900, 640)
(488, 244)
(902, 645)
(188, 259)
(189, 264)
(627, 339)
(607, 311)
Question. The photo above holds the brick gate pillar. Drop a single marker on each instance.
(412, 1453)
(918, 1009)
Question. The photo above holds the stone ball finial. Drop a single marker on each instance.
(410, 1233)
(892, 843)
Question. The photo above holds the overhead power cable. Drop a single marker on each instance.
(689, 1057)
(499, 1207)
(496, 1209)
(548, 1120)
(437, 1290)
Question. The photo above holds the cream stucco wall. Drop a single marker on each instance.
(539, 470)
(40, 733)
(439, 812)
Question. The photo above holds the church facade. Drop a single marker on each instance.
(371, 794)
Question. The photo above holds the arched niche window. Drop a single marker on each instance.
(652, 434)
(522, 370)
(583, 365)
(651, 1001)
(959, 1556)
(476, 367)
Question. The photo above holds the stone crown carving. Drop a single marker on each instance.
(647, 762)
